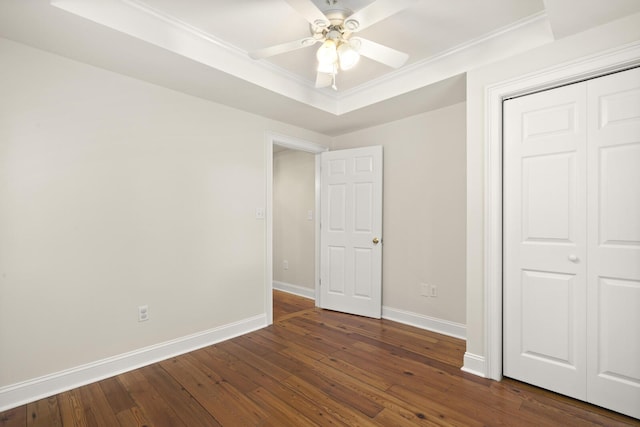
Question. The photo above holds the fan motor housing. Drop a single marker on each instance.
(336, 19)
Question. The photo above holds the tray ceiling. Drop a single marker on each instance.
(201, 47)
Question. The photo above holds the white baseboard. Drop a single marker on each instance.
(48, 385)
(294, 289)
(474, 364)
(444, 327)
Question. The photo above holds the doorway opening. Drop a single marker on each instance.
(287, 151)
(293, 227)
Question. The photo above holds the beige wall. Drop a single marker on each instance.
(293, 233)
(116, 193)
(581, 45)
(423, 210)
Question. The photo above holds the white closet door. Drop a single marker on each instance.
(613, 378)
(545, 241)
(572, 240)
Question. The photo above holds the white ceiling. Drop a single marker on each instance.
(200, 47)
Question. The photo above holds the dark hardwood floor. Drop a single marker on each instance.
(313, 367)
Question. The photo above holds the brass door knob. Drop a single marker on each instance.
(375, 241)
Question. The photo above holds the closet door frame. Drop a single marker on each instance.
(613, 60)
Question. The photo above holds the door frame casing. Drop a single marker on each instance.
(609, 61)
(271, 139)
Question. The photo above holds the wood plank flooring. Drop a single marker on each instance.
(313, 368)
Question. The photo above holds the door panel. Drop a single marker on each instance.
(544, 240)
(337, 203)
(618, 298)
(549, 194)
(547, 334)
(620, 204)
(336, 266)
(363, 267)
(550, 121)
(351, 217)
(363, 205)
(613, 375)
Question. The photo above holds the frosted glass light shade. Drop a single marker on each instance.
(327, 53)
(349, 57)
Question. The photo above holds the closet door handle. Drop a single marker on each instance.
(573, 258)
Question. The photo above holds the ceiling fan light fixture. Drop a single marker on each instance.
(327, 53)
(333, 28)
(348, 56)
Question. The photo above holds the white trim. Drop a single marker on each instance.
(38, 388)
(136, 18)
(295, 143)
(440, 326)
(271, 139)
(420, 66)
(268, 267)
(517, 37)
(317, 226)
(591, 66)
(474, 364)
(294, 289)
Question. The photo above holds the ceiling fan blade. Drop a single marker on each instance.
(380, 53)
(310, 12)
(323, 80)
(282, 48)
(375, 12)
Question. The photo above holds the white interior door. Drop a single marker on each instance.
(613, 273)
(351, 231)
(544, 240)
(572, 240)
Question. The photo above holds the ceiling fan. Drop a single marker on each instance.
(335, 29)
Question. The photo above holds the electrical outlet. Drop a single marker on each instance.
(285, 264)
(259, 213)
(433, 291)
(424, 289)
(143, 313)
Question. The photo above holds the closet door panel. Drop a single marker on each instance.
(613, 273)
(545, 240)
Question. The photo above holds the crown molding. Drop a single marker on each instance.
(420, 65)
(172, 20)
(222, 44)
(138, 19)
(519, 36)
